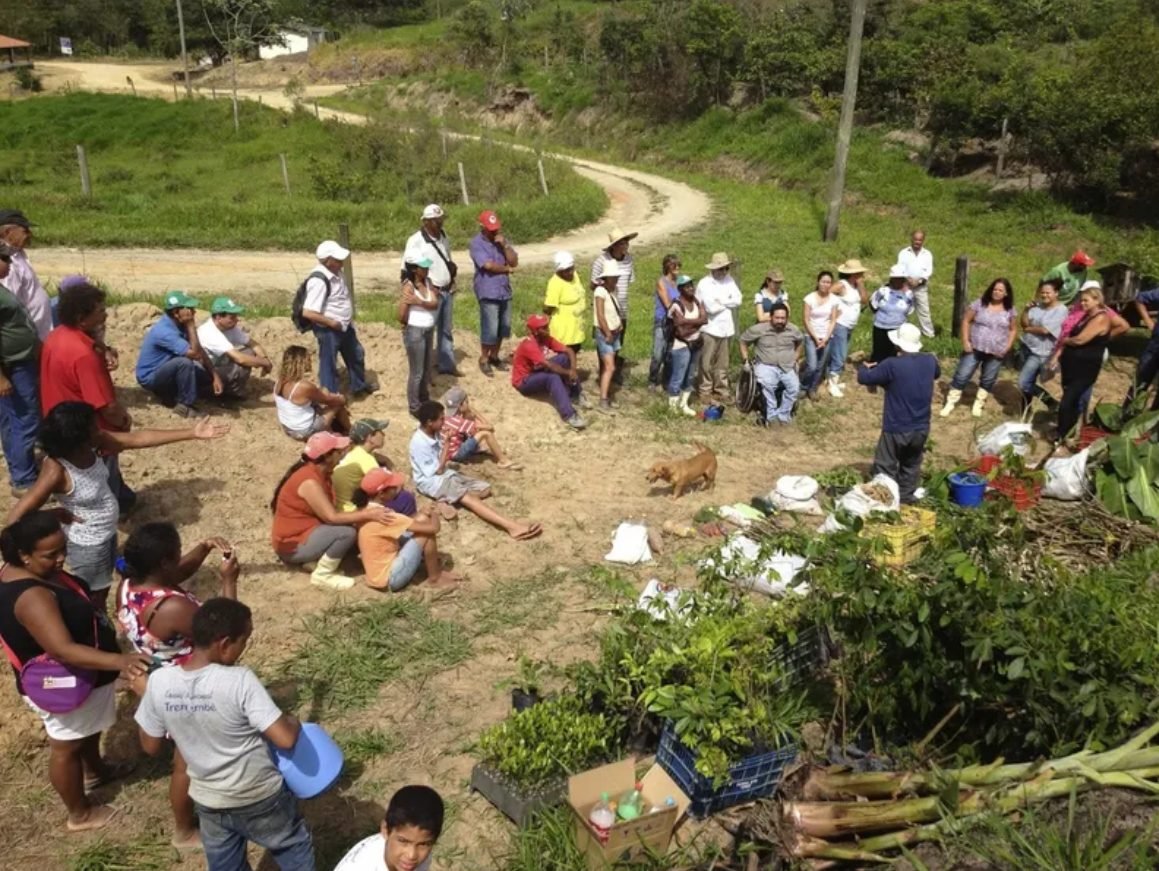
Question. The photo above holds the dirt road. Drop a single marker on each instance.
(656, 208)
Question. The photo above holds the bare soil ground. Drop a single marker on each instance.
(539, 598)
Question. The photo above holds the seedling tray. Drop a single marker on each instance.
(516, 804)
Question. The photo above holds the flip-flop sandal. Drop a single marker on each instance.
(116, 772)
(511, 467)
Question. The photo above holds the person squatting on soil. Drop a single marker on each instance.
(429, 458)
(393, 551)
(74, 475)
(329, 308)
(989, 329)
(908, 380)
(778, 353)
(221, 719)
(76, 365)
(720, 297)
(304, 408)
(231, 349)
(156, 616)
(46, 611)
(307, 527)
(687, 316)
(430, 242)
(172, 365)
(407, 837)
(534, 373)
(495, 259)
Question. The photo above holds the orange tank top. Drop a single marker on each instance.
(294, 520)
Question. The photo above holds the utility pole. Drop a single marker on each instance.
(184, 53)
(845, 126)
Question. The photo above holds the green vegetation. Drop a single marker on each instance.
(136, 855)
(175, 174)
(359, 747)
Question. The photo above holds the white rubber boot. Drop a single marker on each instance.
(834, 385)
(684, 406)
(980, 402)
(952, 399)
(326, 575)
(674, 404)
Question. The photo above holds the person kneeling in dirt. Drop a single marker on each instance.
(467, 432)
(172, 364)
(393, 550)
(532, 372)
(429, 457)
(231, 349)
(908, 380)
(410, 830)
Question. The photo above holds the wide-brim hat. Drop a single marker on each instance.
(851, 267)
(907, 337)
(617, 235)
(720, 260)
(775, 275)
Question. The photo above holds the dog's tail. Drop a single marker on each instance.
(703, 447)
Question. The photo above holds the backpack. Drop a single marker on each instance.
(299, 303)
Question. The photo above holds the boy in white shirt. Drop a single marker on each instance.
(410, 830)
(230, 347)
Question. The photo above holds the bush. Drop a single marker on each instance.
(27, 80)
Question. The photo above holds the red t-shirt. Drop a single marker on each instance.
(456, 429)
(72, 370)
(529, 356)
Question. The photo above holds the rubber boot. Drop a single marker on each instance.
(684, 406)
(326, 575)
(834, 385)
(980, 402)
(674, 404)
(952, 399)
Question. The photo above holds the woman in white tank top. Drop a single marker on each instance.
(303, 407)
(417, 304)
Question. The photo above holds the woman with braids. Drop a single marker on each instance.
(45, 611)
(303, 407)
(307, 525)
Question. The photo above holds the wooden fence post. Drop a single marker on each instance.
(463, 184)
(347, 266)
(317, 114)
(542, 177)
(213, 91)
(961, 292)
(285, 174)
(86, 185)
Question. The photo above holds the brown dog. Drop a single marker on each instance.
(682, 474)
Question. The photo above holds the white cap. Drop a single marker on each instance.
(898, 271)
(907, 337)
(611, 269)
(1091, 285)
(563, 260)
(432, 212)
(330, 248)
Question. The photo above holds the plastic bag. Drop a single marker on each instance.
(662, 600)
(773, 577)
(795, 493)
(1018, 435)
(861, 501)
(1066, 477)
(630, 545)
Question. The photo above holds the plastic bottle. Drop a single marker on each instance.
(669, 802)
(602, 818)
(631, 804)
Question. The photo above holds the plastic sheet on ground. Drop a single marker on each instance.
(741, 557)
(1005, 435)
(630, 545)
(740, 514)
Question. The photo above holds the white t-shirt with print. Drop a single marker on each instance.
(218, 342)
(369, 854)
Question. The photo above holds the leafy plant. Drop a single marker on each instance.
(1127, 478)
(549, 741)
(838, 478)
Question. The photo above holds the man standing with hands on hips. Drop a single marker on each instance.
(918, 262)
(431, 243)
(494, 260)
(329, 308)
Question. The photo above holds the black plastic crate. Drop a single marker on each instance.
(809, 653)
(753, 777)
(517, 805)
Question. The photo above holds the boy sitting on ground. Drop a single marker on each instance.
(392, 552)
(220, 717)
(465, 431)
(429, 457)
(410, 830)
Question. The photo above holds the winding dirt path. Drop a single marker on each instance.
(657, 208)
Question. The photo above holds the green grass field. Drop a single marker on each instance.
(176, 175)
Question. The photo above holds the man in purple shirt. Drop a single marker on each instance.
(494, 260)
(1149, 360)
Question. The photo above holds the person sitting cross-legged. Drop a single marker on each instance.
(394, 550)
(429, 457)
(467, 432)
(779, 347)
(533, 372)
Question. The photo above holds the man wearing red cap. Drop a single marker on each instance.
(1072, 275)
(533, 372)
(494, 260)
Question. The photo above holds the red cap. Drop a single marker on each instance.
(322, 443)
(377, 480)
(537, 322)
(489, 220)
(1082, 258)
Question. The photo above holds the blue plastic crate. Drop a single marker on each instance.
(754, 777)
(797, 661)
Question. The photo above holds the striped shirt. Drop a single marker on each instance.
(627, 276)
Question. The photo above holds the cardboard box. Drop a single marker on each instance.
(628, 839)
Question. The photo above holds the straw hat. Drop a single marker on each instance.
(617, 235)
(775, 275)
(719, 261)
(851, 267)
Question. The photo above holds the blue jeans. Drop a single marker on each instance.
(330, 345)
(968, 364)
(494, 321)
(444, 329)
(604, 349)
(816, 361)
(659, 353)
(684, 362)
(467, 449)
(1031, 367)
(19, 421)
(419, 343)
(770, 378)
(838, 348)
(274, 823)
(179, 380)
(406, 565)
(1146, 372)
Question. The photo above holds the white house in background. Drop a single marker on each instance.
(293, 40)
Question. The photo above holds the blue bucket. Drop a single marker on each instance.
(314, 763)
(967, 489)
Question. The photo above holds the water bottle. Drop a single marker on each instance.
(669, 802)
(631, 804)
(602, 818)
